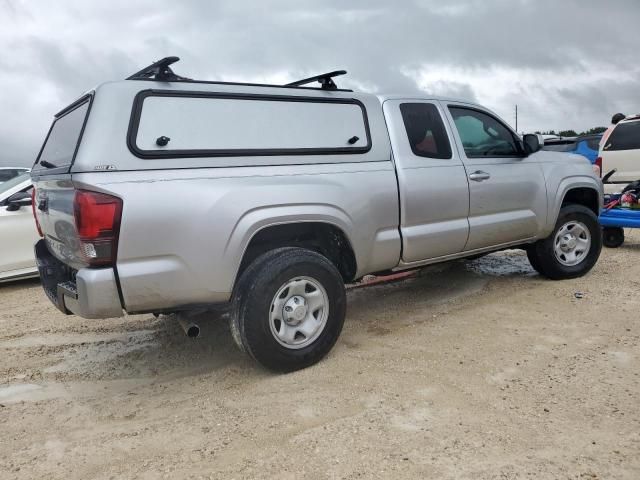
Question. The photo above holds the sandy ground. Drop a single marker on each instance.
(473, 370)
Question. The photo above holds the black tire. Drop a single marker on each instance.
(533, 258)
(612, 237)
(541, 254)
(252, 302)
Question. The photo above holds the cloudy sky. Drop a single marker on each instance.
(567, 64)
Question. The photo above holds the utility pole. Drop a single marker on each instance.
(516, 117)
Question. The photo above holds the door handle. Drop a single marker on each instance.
(479, 176)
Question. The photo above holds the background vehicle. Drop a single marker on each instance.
(162, 194)
(17, 230)
(7, 173)
(621, 152)
(586, 145)
(621, 210)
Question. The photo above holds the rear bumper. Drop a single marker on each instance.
(88, 292)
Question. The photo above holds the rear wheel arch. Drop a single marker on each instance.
(324, 238)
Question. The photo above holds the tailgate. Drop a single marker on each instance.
(626, 163)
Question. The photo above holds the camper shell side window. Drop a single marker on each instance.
(173, 124)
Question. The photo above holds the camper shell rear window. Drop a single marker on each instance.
(62, 142)
(172, 124)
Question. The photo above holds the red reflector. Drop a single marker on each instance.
(33, 209)
(97, 215)
(599, 165)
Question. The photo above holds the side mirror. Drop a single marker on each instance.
(532, 143)
(18, 200)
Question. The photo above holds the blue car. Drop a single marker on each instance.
(586, 145)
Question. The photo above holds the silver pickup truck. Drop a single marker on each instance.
(168, 195)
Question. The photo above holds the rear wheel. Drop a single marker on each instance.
(288, 309)
(612, 237)
(572, 249)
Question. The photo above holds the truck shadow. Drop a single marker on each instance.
(145, 347)
(631, 246)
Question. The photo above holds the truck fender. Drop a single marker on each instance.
(565, 185)
(260, 218)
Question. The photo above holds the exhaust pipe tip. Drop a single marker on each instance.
(190, 329)
(193, 331)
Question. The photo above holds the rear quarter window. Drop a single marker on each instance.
(425, 130)
(210, 124)
(625, 136)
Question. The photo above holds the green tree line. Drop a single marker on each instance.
(573, 133)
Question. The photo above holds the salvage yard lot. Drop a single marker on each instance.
(471, 370)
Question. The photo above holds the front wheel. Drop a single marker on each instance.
(572, 249)
(288, 309)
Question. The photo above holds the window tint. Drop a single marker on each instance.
(482, 135)
(626, 136)
(425, 130)
(60, 146)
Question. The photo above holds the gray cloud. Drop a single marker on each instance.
(566, 64)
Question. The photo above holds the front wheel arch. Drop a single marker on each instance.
(575, 190)
(585, 196)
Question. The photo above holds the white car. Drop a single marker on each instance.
(621, 151)
(18, 231)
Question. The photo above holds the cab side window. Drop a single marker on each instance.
(425, 130)
(482, 135)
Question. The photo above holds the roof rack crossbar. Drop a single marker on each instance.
(159, 70)
(325, 80)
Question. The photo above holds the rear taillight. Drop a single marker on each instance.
(97, 218)
(33, 209)
(598, 166)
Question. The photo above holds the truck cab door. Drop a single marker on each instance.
(507, 190)
(433, 186)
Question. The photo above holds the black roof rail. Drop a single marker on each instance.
(324, 79)
(159, 70)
